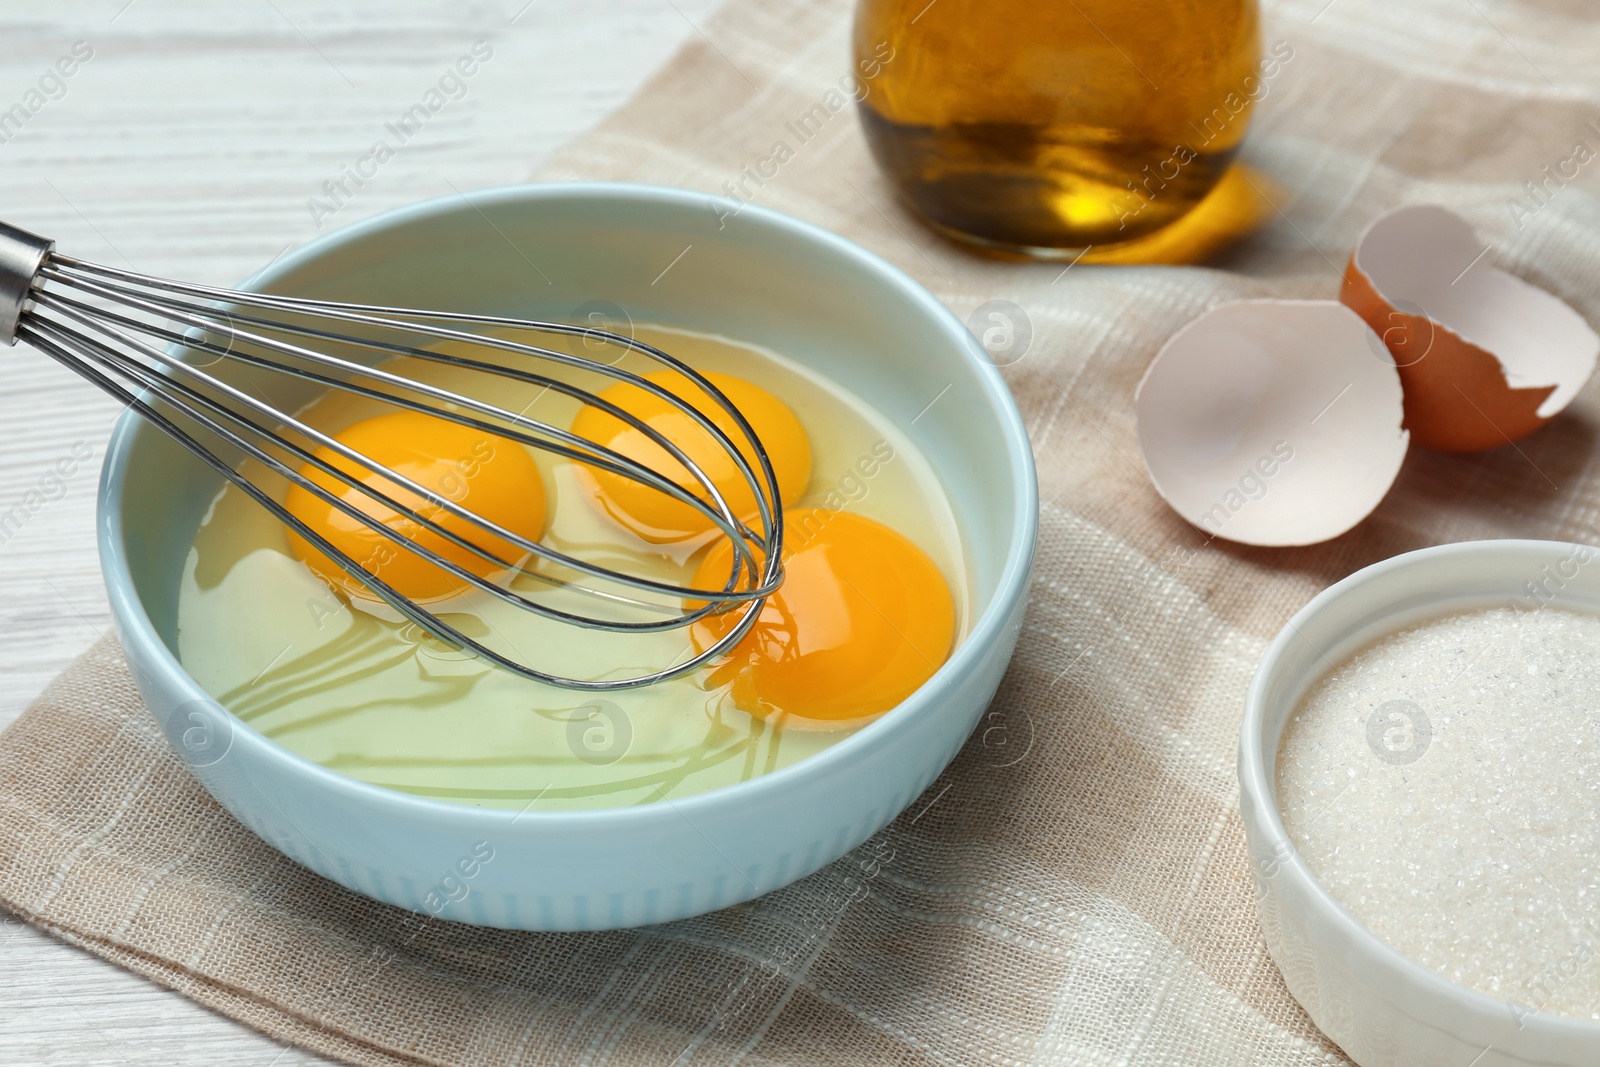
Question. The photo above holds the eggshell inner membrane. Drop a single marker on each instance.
(1484, 356)
(1272, 422)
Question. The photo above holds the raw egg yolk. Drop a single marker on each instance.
(492, 477)
(652, 514)
(862, 619)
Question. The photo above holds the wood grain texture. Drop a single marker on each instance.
(195, 142)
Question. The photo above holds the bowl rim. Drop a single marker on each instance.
(1260, 809)
(136, 630)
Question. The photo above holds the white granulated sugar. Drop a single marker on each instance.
(1444, 785)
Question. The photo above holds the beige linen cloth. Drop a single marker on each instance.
(1074, 889)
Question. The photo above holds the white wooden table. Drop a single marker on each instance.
(191, 143)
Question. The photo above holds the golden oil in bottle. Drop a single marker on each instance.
(1050, 126)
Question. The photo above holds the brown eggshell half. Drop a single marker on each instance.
(1485, 358)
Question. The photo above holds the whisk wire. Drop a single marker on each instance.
(391, 317)
(602, 457)
(76, 312)
(111, 347)
(428, 621)
(165, 387)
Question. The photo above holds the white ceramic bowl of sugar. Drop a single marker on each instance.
(1380, 1006)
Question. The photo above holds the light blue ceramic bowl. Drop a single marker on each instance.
(546, 251)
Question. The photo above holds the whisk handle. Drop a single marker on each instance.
(21, 254)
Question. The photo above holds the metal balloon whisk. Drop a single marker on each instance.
(128, 333)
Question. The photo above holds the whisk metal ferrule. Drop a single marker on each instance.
(21, 255)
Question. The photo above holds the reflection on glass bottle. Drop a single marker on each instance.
(1048, 126)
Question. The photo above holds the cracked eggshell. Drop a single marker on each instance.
(1485, 357)
(1272, 422)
